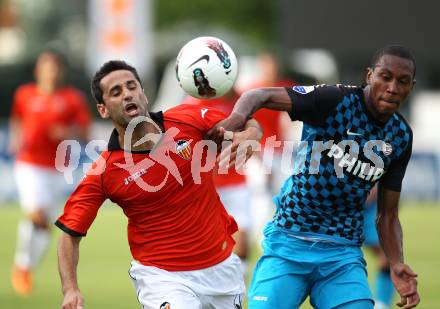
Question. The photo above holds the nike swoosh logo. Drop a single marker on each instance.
(203, 111)
(204, 57)
(353, 133)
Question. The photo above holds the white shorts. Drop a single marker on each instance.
(220, 286)
(38, 187)
(237, 202)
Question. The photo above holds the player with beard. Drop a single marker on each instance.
(179, 233)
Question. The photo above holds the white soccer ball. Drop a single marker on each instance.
(206, 67)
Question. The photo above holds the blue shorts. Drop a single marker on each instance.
(370, 231)
(292, 269)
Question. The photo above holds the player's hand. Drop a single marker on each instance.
(233, 122)
(405, 282)
(217, 135)
(240, 150)
(73, 300)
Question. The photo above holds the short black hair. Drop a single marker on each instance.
(394, 50)
(107, 68)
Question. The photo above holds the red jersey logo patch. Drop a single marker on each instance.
(183, 149)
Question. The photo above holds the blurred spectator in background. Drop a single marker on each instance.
(383, 286)
(232, 186)
(44, 113)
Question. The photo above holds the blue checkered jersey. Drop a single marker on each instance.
(344, 151)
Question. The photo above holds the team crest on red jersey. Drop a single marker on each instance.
(183, 149)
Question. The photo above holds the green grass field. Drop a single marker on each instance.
(105, 259)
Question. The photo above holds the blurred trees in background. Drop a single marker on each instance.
(254, 19)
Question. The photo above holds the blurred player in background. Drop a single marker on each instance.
(384, 289)
(232, 186)
(274, 123)
(265, 172)
(44, 113)
(179, 233)
(312, 247)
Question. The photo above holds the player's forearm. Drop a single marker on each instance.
(68, 257)
(390, 235)
(388, 224)
(249, 102)
(275, 98)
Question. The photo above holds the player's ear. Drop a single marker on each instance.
(368, 75)
(103, 111)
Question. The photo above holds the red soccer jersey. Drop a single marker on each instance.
(173, 222)
(225, 105)
(38, 113)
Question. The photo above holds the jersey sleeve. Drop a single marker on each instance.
(312, 104)
(393, 178)
(211, 117)
(82, 206)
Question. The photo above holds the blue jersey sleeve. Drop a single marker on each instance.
(313, 104)
(393, 178)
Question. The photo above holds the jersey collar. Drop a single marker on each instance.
(113, 143)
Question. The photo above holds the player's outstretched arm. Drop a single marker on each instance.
(390, 235)
(250, 101)
(68, 256)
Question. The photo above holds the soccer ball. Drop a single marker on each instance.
(206, 67)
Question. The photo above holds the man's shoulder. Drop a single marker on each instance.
(328, 93)
(349, 90)
(179, 109)
(27, 89)
(104, 156)
(73, 93)
(349, 87)
(398, 134)
(399, 122)
(182, 113)
(194, 115)
(186, 109)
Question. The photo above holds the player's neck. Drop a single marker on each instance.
(46, 87)
(144, 130)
